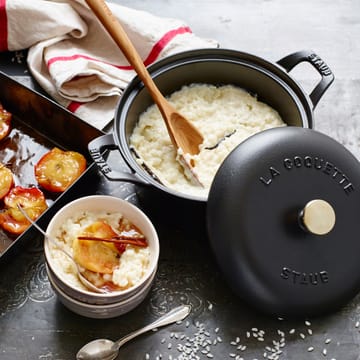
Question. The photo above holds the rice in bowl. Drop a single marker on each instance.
(128, 265)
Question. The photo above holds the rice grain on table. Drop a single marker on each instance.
(200, 341)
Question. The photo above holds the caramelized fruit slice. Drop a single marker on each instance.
(58, 169)
(6, 180)
(5, 122)
(32, 200)
(98, 256)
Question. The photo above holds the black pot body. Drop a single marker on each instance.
(270, 82)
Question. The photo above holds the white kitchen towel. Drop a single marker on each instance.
(74, 59)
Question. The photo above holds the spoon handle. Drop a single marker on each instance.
(82, 278)
(119, 35)
(38, 228)
(176, 314)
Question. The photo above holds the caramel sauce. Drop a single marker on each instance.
(110, 287)
(19, 152)
(96, 279)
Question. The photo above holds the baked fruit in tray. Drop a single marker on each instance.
(41, 160)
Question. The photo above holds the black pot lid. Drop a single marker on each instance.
(283, 220)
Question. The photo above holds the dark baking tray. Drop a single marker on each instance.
(38, 125)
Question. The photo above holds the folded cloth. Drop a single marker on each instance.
(74, 59)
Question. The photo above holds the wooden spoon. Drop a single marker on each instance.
(183, 134)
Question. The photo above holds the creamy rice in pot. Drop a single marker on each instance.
(225, 115)
(129, 265)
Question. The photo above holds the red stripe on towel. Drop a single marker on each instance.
(3, 26)
(154, 53)
(80, 56)
(73, 106)
(159, 46)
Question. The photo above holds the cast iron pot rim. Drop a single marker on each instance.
(187, 58)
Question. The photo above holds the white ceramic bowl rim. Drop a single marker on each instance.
(125, 208)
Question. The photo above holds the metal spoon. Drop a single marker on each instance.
(104, 349)
(82, 278)
(183, 134)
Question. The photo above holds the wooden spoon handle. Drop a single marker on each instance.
(118, 34)
(183, 133)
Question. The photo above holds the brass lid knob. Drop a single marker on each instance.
(318, 217)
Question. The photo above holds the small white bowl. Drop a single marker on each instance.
(105, 311)
(102, 203)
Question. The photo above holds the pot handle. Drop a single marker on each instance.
(327, 77)
(96, 149)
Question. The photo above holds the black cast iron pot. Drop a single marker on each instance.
(269, 81)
